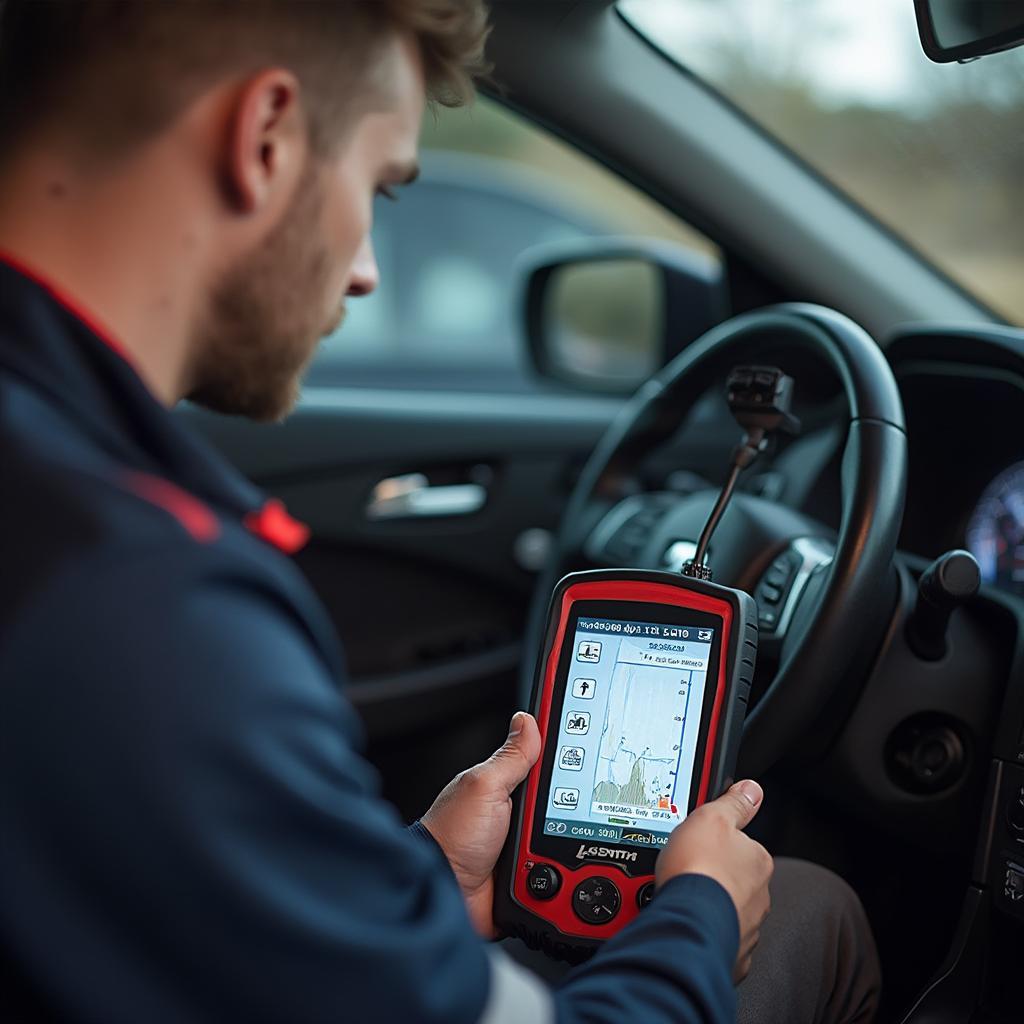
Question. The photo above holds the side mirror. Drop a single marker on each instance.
(605, 314)
(964, 29)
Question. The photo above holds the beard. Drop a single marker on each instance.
(266, 317)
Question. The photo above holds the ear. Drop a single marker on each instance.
(267, 140)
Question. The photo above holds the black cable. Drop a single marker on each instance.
(716, 515)
(743, 455)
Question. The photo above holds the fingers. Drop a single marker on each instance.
(742, 969)
(512, 761)
(745, 956)
(741, 802)
(748, 946)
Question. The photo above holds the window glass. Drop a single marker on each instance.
(933, 150)
(451, 252)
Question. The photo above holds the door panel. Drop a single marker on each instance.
(429, 610)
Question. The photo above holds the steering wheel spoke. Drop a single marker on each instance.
(623, 537)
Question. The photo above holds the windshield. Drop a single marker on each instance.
(936, 152)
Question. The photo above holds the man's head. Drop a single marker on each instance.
(286, 117)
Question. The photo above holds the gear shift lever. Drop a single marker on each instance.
(949, 581)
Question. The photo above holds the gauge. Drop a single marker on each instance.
(995, 532)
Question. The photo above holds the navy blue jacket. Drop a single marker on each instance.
(187, 829)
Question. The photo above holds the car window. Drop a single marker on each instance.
(451, 248)
(933, 151)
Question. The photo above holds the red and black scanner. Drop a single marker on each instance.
(640, 694)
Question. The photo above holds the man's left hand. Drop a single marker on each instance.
(471, 816)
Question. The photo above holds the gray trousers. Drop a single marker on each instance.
(816, 962)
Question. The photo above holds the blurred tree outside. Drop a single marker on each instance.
(487, 129)
(606, 318)
(496, 190)
(611, 304)
(935, 152)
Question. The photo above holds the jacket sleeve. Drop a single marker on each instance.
(197, 839)
(207, 845)
(675, 960)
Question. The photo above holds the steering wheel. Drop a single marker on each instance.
(824, 600)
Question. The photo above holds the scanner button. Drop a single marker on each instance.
(543, 881)
(596, 900)
(645, 895)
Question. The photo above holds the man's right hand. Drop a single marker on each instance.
(710, 843)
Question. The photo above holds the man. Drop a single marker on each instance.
(189, 832)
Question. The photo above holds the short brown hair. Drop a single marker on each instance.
(116, 71)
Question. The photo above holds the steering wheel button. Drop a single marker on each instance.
(784, 563)
(767, 618)
(769, 593)
(543, 881)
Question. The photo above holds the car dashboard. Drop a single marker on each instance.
(932, 756)
(963, 395)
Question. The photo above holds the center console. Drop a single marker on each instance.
(982, 978)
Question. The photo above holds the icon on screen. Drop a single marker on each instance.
(568, 798)
(577, 723)
(584, 688)
(704, 634)
(589, 650)
(571, 759)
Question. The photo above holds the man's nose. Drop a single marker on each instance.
(365, 274)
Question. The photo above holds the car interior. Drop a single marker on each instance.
(576, 418)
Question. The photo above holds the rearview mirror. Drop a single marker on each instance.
(963, 29)
(605, 314)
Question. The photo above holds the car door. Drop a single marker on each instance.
(430, 463)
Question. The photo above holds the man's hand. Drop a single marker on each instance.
(709, 842)
(470, 818)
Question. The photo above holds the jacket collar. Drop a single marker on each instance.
(49, 339)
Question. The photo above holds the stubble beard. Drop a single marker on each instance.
(266, 317)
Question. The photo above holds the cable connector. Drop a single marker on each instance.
(696, 570)
(754, 442)
(759, 398)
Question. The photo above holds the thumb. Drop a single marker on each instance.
(741, 802)
(512, 761)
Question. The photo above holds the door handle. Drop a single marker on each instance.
(412, 497)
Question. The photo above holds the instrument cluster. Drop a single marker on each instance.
(995, 531)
